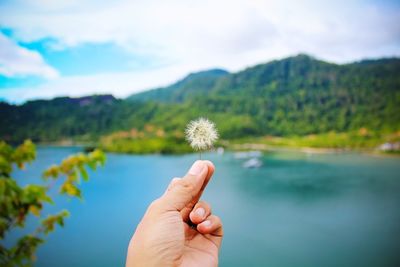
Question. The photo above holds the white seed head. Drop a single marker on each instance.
(201, 134)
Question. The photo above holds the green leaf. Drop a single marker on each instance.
(49, 223)
(52, 172)
(17, 203)
(84, 173)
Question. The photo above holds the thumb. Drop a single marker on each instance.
(184, 190)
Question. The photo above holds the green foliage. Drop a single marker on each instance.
(24, 153)
(17, 202)
(147, 145)
(49, 223)
(151, 140)
(73, 168)
(194, 85)
(22, 254)
(296, 96)
(362, 139)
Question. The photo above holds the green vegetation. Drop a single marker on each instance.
(194, 85)
(362, 139)
(151, 140)
(297, 96)
(18, 203)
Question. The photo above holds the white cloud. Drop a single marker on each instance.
(192, 35)
(17, 61)
(118, 84)
(237, 32)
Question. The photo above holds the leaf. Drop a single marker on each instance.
(24, 249)
(70, 189)
(52, 172)
(24, 153)
(17, 202)
(5, 166)
(49, 223)
(34, 210)
(84, 173)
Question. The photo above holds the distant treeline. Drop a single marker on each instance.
(295, 96)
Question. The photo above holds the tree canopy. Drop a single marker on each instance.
(295, 96)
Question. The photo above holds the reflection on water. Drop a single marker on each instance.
(296, 210)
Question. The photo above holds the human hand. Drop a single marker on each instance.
(165, 237)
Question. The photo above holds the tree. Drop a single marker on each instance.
(17, 203)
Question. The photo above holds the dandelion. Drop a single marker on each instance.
(201, 134)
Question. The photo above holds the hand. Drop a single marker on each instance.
(165, 236)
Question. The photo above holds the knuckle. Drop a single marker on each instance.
(175, 179)
(186, 186)
(154, 204)
(173, 182)
(185, 189)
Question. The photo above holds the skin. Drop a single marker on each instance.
(178, 229)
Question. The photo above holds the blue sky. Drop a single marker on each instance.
(68, 47)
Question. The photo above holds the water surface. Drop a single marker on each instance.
(296, 210)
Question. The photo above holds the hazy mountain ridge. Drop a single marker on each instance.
(293, 96)
(195, 83)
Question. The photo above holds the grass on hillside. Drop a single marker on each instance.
(153, 140)
(362, 139)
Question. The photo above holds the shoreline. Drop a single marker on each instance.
(312, 150)
(244, 147)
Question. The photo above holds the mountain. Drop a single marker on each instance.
(298, 95)
(193, 85)
(302, 95)
(62, 117)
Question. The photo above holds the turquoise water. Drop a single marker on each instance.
(296, 210)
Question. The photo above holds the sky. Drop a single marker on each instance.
(51, 48)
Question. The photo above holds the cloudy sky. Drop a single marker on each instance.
(54, 48)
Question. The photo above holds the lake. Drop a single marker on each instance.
(296, 210)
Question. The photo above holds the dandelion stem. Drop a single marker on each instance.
(200, 154)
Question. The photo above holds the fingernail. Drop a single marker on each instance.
(200, 212)
(197, 167)
(206, 223)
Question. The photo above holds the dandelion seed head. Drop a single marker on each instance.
(201, 134)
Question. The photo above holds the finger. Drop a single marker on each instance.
(172, 183)
(212, 227)
(188, 208)
(186, 189)
(211, 169)
(200, 212)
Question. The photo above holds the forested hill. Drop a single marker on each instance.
(302, 95)
(193, 85)
(294, 96)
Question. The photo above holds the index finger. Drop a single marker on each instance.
(188, 208)
(186, 192)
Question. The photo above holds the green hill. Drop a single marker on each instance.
(295, 96)
(194, 85)
(298, 95)
(61, 118)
